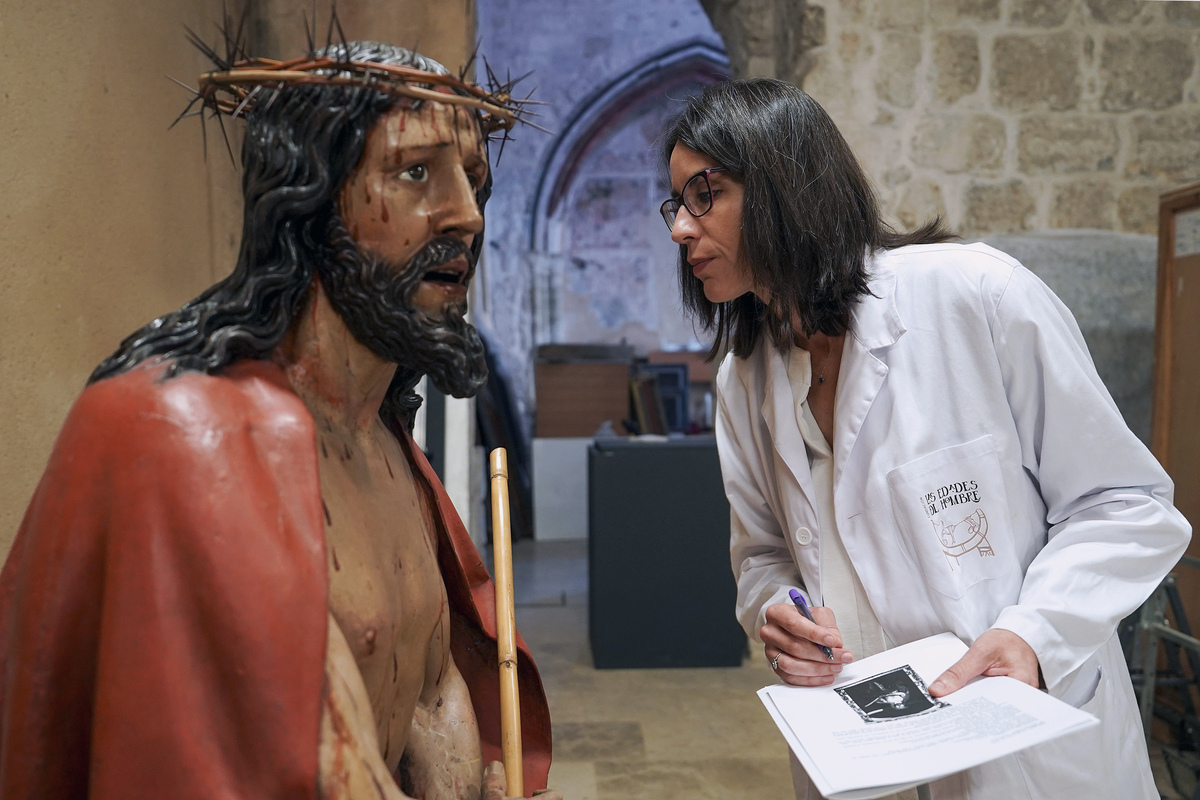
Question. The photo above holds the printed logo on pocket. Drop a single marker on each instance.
(966, 534)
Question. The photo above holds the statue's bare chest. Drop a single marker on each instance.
(385, 588)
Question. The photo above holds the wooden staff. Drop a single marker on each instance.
(506, 627)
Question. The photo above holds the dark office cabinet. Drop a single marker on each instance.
(660, 590)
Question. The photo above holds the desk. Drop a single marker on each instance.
(660, 589)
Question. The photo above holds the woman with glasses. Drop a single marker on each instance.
(912, 433)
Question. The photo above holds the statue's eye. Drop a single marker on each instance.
(417, 173)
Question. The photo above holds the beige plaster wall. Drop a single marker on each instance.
(107, 219)
(441, 29)
(1000, 115)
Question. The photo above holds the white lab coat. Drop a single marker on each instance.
(983, 477)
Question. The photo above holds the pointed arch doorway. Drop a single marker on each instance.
(604, 264)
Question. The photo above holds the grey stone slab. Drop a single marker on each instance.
(713, 779)
(1108, 280)
(599, 741)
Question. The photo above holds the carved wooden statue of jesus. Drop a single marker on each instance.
(238, 578)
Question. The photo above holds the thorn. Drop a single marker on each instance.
(224, 29)
(274, 94)
(462, 73)
(207, 51)
(225, 136)
(338, 22)
(204, 135)
(245, 101)
(239, 43)
(335, 24)
(503, 140)
(186, 110)
(184, 85)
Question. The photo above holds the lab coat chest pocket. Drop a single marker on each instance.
(951, 508)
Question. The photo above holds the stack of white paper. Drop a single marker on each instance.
(877, 730)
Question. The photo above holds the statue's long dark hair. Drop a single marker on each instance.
(810, 219)
(301, 144)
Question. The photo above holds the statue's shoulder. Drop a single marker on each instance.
(250, 398)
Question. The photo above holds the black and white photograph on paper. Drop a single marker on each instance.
(890, 695)
(989, 718)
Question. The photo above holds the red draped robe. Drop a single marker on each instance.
(163, 609)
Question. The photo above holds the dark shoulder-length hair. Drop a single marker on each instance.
(301, 144)
(810, 219)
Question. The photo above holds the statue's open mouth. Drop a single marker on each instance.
(445, 276)
(455, 271)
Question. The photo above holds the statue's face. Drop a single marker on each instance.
(398, 258)
(417, 180)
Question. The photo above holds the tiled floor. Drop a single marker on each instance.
(680, 734)
(677, 734)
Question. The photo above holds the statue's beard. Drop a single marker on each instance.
(375, 300)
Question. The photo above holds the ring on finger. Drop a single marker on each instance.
(775, 660)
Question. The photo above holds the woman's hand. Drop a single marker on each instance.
(790, 643)
(996, 652)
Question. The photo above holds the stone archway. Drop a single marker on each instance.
(602, 262)
(602, 112)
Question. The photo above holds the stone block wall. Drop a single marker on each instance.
(1000, 115)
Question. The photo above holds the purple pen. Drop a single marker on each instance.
(798, 599)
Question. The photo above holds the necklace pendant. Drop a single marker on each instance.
(820, 379)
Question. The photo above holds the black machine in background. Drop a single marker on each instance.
(660, 590)
(435, 430)
(499, 426)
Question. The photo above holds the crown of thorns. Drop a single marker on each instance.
(242, 81)
(235, 87)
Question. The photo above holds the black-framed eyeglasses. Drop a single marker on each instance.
(696, 197)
